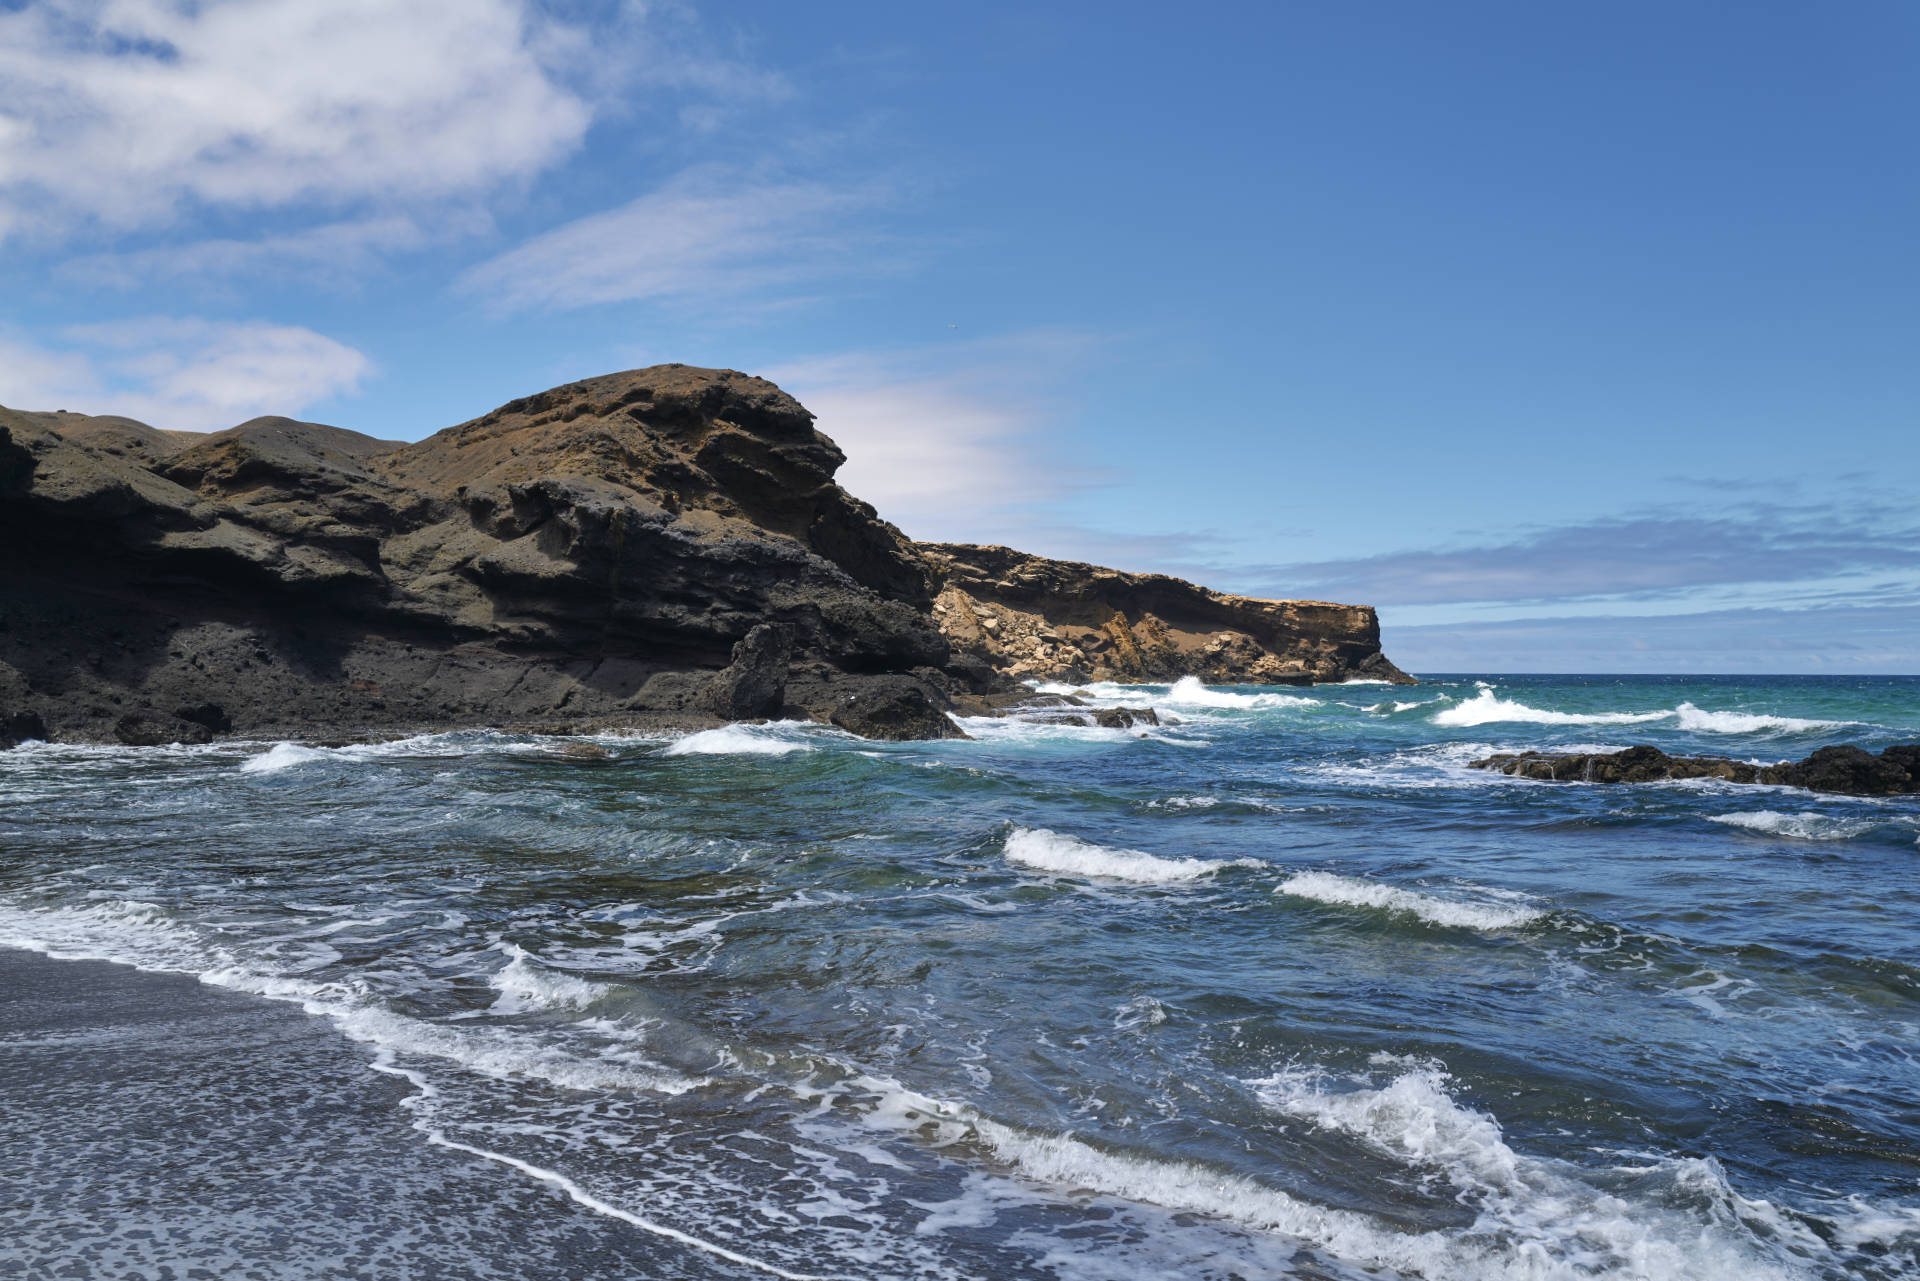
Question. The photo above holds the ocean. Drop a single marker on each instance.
(1278, 988)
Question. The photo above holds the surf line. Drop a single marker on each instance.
(383, 1062)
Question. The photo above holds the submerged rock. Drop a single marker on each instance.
(1849, 771)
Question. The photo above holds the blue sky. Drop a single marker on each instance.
(1574, 338)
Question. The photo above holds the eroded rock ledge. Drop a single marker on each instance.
(1040, 619)
(1849, 771)
(663, 547)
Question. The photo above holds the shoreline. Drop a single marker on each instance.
(149, 1121)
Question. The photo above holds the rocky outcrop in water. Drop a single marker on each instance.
(1849, 771)
(660, 547)
(1041, 619)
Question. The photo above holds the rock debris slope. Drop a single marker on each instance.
(660, 547)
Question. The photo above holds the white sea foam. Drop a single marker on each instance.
(126, 931)
(1070, 856)
(1538, 1218)
(525, 984)
(1694, 718)
(1349, 891)
(1804, 826)
(775, 739)
(1487, 707)
(1140, 1012)
(1189, 691)
(143, 936)
(1184, 803)
(1012, 731)
(281, 756)
(1536, 1223)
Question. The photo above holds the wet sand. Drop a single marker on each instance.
(155, 1127)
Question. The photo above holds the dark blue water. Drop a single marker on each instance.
(1279, 988)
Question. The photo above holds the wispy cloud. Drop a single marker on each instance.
(336, 254)
(1838, 640)
(956, 441)
(180, 372)
(1639, 557)
(709, 233)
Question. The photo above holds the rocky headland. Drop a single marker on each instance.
(1848, 771)
(1039, 619)
(664, 547)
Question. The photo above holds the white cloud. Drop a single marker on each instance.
(335, 253)
(180, 372)
(124, 113)
(707, 232)
(957, 442)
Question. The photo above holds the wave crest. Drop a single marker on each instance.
(1804, 826)
(1349, 891)
(1065, 855)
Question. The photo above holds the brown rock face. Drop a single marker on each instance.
(663, 546)
(1034, 618)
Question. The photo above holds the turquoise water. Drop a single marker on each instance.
(1279, 988)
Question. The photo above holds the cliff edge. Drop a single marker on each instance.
(1039, 619)
(662, 547)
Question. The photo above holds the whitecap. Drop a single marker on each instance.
(281, 756)
(1539, 1218)
(1349, 891)
(1537, 1223)
(740, 740)
(1487, 707)
(525, 984)
(1070, 856)
(1140, 1012)
(1694, 718)
(1184, 803)
(1013, 731)
(1189, 691)
(1804, 826)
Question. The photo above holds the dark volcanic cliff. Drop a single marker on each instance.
(664, 545)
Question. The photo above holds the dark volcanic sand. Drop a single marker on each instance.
(154, 1127)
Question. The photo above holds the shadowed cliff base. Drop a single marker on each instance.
(660, 548)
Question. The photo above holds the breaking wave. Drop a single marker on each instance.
(740, 740)
(1537, 1218)
(1694, 718)
(1349, 891)
(1487, 707)
(1066, 855)
(1804, 826)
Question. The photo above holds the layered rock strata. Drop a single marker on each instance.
(1039, 619)
(661, 547)
(1849, 771)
